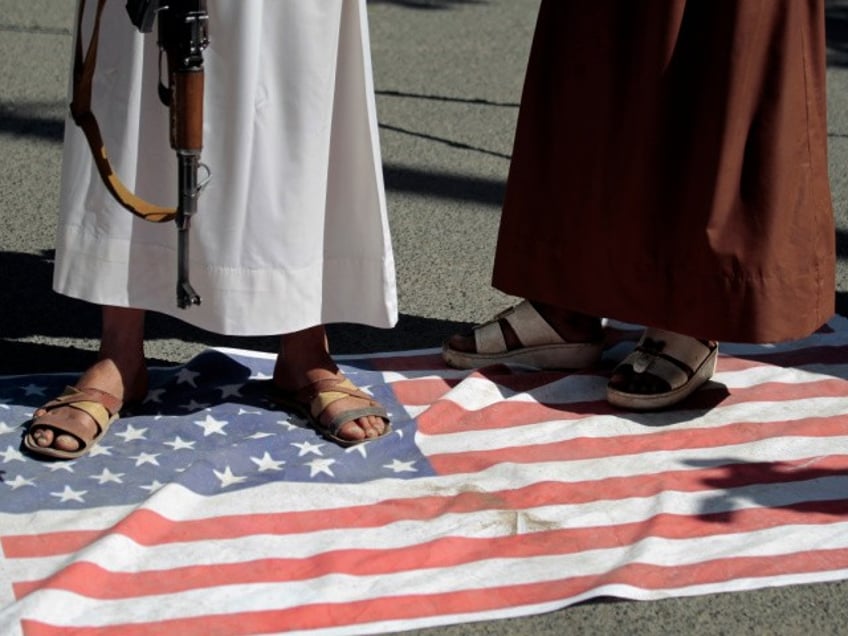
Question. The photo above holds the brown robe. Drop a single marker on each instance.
(670, 167)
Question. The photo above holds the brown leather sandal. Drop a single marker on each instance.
(541, 346)
(100, 406)
(674, 363)
(312, 400)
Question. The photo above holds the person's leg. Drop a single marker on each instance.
(120, 371)
(304, 360)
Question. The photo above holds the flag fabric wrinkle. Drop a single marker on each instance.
(501, 492)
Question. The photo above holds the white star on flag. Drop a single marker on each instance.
(227, 478)
(154, 395)
(69, 494)
(5, 428)
(12, 454)
(99, 449)
(180, 444)
(260, 435)
(288, 425)
(146, 458)
(131, 433)
(267, 463)
(34, 389)
(68, 467)
(398, 466)
(211, 426)
(187, 376)
(308, 447)
(228, 390)
(19, 482)
(108, 476)
(321, 466)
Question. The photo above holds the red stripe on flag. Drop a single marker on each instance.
(447, 416)
(145, 527)
(93, 581)
(473, 461)
(414, 606)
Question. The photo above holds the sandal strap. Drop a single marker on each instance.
(322, 393)
(68, 426)
(684, 352)
(313, 399)
(99, 405)
(336, 385)
(531, 329)
(671, 357)
(354, 414)
(489, 338)
(74, 396)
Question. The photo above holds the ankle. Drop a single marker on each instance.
(303, 358)
(126, 379)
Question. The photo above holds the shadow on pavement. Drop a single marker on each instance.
(31, 310)
(444, 185)
(13, 122)
(836, 28)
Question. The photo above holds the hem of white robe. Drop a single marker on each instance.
(235, 301)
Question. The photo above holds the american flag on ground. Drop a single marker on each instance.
(500, 493)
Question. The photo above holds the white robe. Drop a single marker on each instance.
(292, 230)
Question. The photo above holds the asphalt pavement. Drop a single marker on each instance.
(448, 77)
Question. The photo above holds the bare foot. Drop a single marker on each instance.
(303, 360)
(571, 326)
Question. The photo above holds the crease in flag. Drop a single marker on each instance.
(500, 492)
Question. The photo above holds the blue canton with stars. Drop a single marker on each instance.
(206, 425)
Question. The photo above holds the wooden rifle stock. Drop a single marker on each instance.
(183, 36)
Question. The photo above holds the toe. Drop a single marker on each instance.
(369, 427)
(43, 436)
(352, 431)
(66, 443)
(46, 438)
(373, 426)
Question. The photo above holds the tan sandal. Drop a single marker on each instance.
(312, 400)
(542, 347)
(100, 406)
(679, 364)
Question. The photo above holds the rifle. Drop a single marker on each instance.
(183, 35)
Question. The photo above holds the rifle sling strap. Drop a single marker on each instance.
(84, 118)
